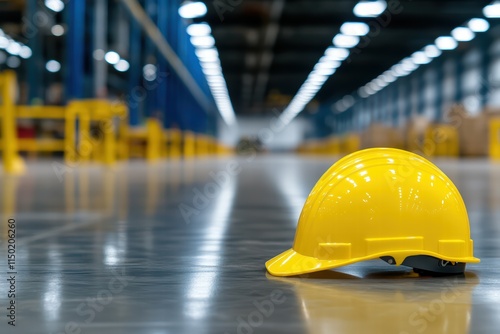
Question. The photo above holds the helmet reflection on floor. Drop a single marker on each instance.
(403, 305)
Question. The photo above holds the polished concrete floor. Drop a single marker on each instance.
(181, 247)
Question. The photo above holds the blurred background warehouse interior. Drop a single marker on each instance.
(386, 75)
(152, 136)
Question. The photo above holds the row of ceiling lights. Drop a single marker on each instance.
(204, 42)
(406, 66)
(53, 66)
(14, 49)
(111, 57)
(18, 50)
(349, 37)
(425, 56)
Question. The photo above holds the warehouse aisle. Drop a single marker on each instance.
(180, 248)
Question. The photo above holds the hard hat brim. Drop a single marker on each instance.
(292, 263)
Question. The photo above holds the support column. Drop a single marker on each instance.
(75, 42)
(135, 75)
(36, 62)
(100, 42)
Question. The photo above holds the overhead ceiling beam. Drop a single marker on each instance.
(168, 53)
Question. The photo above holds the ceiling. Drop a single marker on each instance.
(268, 48)
(11, 14)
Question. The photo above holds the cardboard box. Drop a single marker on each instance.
(473, 130)
(380, 135)
(416, 130)
(473, 134)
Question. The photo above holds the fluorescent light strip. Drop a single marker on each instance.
(208, 56)
(355, 29)
(348, 37)
(325, 67)
(370, 8)
(478, 25)
(463, 34)
(192, 10)
(492, 10)
(425, 56)
(13, 47)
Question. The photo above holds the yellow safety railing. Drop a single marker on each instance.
(189, 144)
(10, 144)
(173, 143)
(103, 133)
(155, 139)
(110, 120)
(148, 142)
(154, 143)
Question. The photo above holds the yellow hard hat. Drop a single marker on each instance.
(381, 203)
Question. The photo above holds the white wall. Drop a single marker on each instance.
(269, 129)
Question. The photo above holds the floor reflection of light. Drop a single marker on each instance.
(116, 246)
(202, 284)
(52, 293)
(52, 298)
(110, 255)
(288, 184)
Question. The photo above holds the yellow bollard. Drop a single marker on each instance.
(86, 146)
(441, 140)
(12, 162)
(212, 146)
(495, 138)
(154, 139)
(174, 148)
(109, 143)
(122, 112)
(352, 143)
(189, 144)
(201, 148)
(333, 146)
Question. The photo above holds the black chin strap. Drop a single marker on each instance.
(428, 265)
